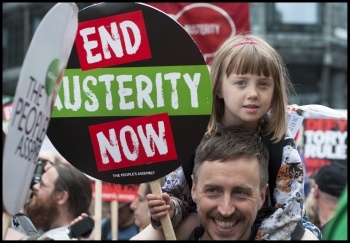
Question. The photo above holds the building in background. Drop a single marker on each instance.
(311, 38)
(20, 21)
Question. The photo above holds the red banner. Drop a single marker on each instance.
(208, 23)
(117, 192)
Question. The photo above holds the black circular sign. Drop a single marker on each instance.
(135, 98)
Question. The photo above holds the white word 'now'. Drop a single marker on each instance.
(149, 142)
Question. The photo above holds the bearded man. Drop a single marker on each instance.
(62, 194)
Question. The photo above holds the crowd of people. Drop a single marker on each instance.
(244, 181)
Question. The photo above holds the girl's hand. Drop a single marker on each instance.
(160, 206)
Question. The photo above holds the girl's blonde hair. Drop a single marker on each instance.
(248, 53)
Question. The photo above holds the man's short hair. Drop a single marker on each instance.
(229, 143)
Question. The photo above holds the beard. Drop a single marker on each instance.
(42, 212)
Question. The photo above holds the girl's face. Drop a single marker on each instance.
(247, 98)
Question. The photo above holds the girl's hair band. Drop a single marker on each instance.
(243, 42)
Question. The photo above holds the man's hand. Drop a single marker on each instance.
(81, 217)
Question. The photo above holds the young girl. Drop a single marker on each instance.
(251, 89)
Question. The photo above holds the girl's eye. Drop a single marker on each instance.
(240, 83)
(265, 84)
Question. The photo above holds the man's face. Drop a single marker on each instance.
(42, 207)
(228, 198)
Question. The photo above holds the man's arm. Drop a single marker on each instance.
(182, 231)
(149, 233)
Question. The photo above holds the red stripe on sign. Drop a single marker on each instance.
(112, 41)
(133, 142)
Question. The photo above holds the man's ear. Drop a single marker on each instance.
(316, 191)
(62, 197)
(193, 191)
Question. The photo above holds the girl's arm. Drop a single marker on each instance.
(180, 201)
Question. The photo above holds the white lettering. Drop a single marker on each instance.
(131, 90)
(89, 45)
(123, 92)
(135, 142)
(325, 144)
(150, 140)
(110, 40)
(131, 49)
(93, 106)
(153, 139)
(110, 146)
(202, 29)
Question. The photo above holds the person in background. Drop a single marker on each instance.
(62, 194)
(309, 212)
(20, 221)
(330, 182)
(126, 224)
(140, 207)
(337, 228)
(50, 155)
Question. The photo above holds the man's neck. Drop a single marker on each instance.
(326, 213)
(61, 220)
